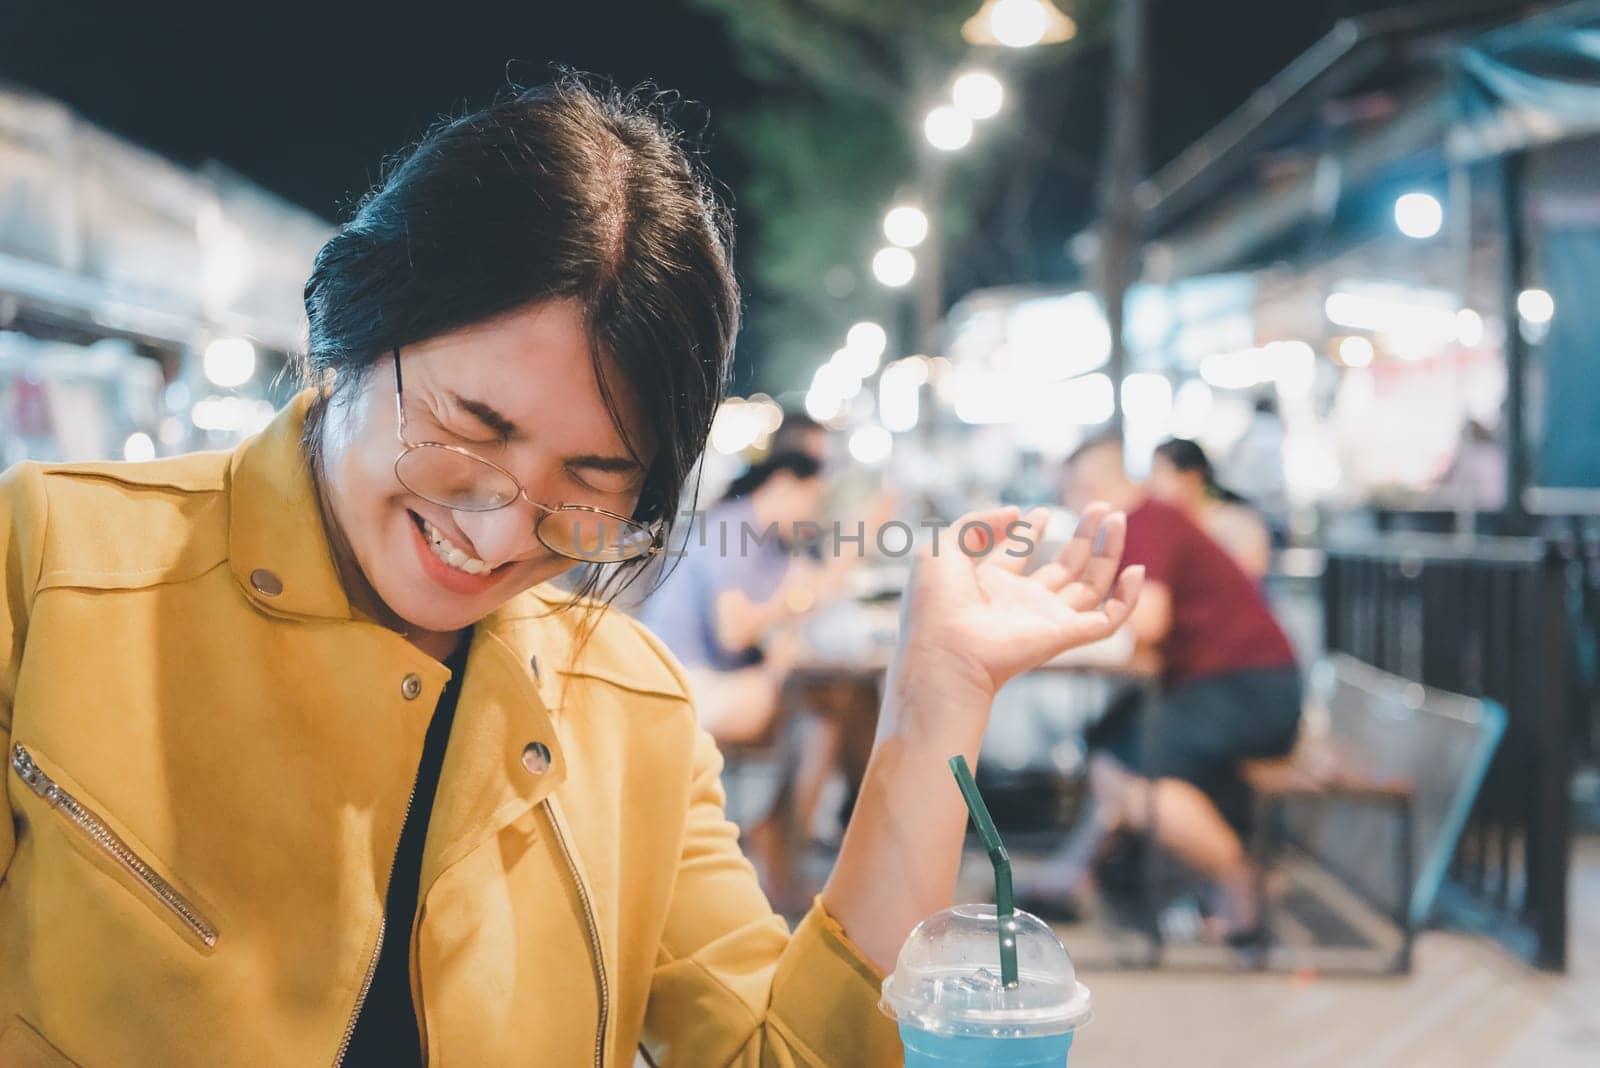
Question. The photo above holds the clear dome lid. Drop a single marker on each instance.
(947, 978)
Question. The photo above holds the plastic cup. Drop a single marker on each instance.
(953, 1010)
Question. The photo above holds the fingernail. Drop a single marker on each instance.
(1100, 540)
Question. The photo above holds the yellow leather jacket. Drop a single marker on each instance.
(209, 759)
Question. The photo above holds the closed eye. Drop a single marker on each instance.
(610, 476)
(453, 429)
(478, 443)
(481, 443)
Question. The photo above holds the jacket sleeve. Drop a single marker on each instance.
(22, 522)
(732, 986)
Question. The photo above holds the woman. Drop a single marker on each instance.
(309, 763)
(1181, 475)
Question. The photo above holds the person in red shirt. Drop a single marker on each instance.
(1230, 691)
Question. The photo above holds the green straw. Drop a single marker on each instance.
(1005, 912)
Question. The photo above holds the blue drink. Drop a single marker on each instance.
(924, 1049)
(955, 1011)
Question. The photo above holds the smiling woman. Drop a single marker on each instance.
(308, 762)
(557, 251)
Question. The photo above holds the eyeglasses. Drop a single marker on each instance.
(462, 481)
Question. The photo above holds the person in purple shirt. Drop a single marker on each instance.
(724, 606)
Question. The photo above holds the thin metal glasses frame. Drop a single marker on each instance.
(545, 511)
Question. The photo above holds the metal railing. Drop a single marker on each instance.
(1486, 617)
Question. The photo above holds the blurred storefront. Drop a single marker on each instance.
(1406, 197)
(1383, 254)
(145, 308)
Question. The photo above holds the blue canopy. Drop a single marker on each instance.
(1530, 83)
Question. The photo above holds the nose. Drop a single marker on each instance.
(501, 535)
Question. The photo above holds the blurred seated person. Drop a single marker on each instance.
(1181, 475)
(1230, 691)
(724, 607)
(797, 433)
(800, 433)
(731, 610)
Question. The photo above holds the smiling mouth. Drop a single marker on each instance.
(449, 552)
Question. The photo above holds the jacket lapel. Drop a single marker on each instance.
(276, 545)
(504, 755)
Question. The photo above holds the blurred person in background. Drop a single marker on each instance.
(1254, 466)
(1181, 475)
(1476, 478)
(800, 433)
(310, 762)
(1230, 691)
(731, 610)
(728, 608)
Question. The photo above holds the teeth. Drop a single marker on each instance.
(451, 553)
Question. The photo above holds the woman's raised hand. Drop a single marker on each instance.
(972, 620)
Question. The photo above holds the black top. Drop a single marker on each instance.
(386, 1031)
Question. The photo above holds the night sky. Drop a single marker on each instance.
(309, 106)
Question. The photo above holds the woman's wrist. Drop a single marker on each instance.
(935, 701)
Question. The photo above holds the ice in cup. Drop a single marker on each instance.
(954, 1011)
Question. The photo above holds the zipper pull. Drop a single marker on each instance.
(32, 777)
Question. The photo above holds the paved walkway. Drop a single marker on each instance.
(1466, 1003)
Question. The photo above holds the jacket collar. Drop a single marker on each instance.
(275, 536)
(275, 526)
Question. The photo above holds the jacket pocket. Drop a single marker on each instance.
(23, 1047)
(99, 836)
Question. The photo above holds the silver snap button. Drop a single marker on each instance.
(265, 582)
(536, 758)
(411, 687)
(533, 665)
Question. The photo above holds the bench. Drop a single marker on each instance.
(1324, 769)
(1379, 787)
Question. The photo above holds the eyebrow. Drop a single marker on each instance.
(505, 428)
(488, 416)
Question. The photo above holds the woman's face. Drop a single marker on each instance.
(519, 391)
(1184, 489)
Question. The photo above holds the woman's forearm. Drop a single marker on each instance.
(902, 850)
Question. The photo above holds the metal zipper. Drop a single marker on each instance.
(377, 948)
(111, 843)
(594, 937)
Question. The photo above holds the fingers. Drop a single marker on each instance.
(1051, 576)
(1125, 596)
(1021, 537)
(979, 534)
(1077, 552)
(1092, 625)
(1094, 582)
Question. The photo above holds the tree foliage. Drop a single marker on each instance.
(830, 143)
(827, 147)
